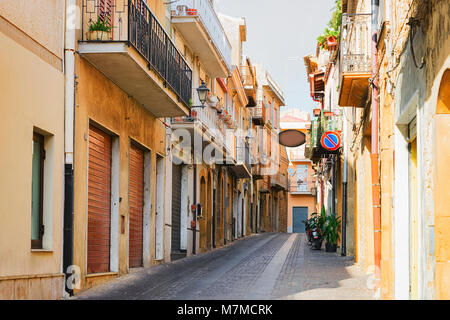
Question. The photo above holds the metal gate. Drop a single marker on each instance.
(136, 202)
(99, 201)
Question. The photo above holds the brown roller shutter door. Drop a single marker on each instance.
(99, 201)
(136, 193)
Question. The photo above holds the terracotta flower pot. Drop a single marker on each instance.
(98, 35)
(191, 12)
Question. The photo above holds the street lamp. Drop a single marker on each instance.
(202, 92)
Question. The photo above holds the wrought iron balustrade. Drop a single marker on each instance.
(133, 22)
(355, 43)
(203, 9)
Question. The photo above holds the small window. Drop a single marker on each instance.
(37, 185)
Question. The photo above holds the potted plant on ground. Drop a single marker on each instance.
(318, 232)
(331, 233)
(99, 30)
(310, 225)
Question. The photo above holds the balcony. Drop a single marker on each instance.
(279, 181)
(259, 115)
(355, 60)
(248, 75)
(242, 169)
(199, 25)
(301, 188)
(210, 126)
(319, 126)
(137, 55)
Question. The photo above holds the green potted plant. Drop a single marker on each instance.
(318, 230)
(99, 30)
(331, 232)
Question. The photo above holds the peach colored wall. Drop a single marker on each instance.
(299, 201)
(32, 96)
(41, 20)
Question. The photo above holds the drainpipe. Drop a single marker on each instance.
(225, 213)
(69, 119)
(333, 204)
(194, 225)
(375, 156)
(344, 197)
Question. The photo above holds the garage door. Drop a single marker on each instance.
(176, 207)
(299, 214)
(99, 201)
(136, 194)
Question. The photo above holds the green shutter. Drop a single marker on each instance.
(35, 193)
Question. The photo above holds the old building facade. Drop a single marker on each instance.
(390, 69)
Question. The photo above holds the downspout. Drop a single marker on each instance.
(333, 204)
(194, 224)
(225, 213)
(69, 120)
(344, 196)
(375, 156)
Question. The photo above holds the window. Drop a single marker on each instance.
(37, 185)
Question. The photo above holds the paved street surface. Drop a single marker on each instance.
(260, 267)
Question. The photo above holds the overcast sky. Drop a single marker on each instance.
(279, 34)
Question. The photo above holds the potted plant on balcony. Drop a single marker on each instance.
(331, 232)
(191, 12)
(316, 112)
(99, 30)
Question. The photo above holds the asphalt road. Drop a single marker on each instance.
(260, 267)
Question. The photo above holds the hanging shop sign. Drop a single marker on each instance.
(331, 140)
(292, 138)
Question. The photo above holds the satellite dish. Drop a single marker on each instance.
(292, 138)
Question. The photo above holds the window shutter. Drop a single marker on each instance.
(105, 10)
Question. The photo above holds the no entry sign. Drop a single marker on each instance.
(331, 140)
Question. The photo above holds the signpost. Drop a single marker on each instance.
(331, 140)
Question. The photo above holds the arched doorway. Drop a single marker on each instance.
(203, 216)
(441, 193)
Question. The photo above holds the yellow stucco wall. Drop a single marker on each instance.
(102, 102)
(32, 96)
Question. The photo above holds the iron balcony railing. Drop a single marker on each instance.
(243, 155)
(248, 75)
(133, 22)
(279, 180)
(356, 43)
(207, 15)
(299, 187)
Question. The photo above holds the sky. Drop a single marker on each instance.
(279, 34)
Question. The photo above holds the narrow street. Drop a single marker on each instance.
(261, 267)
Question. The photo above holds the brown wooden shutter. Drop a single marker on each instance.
(136, 194)
(105, 10)
(99, 201)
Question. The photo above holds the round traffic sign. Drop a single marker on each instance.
(331, 140)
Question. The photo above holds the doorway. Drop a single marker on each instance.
(299, 214)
